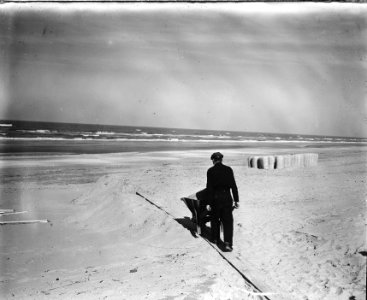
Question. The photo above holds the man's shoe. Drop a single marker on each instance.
(227, 247)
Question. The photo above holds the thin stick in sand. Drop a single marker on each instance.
(13, 213)
(23, 222)
(6, 210)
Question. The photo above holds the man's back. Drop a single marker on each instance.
(220, 177)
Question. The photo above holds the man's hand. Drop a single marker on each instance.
(208, 208)
(236, 205)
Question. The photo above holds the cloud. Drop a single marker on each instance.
(229, 69)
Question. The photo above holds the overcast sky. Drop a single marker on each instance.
(289, 68)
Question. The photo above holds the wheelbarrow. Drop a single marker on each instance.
(197, 203)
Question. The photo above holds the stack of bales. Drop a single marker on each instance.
(283, 161)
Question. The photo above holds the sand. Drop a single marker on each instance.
(299, 233)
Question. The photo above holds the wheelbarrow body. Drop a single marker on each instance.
(197, 203)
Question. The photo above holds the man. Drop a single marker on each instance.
(220, 182)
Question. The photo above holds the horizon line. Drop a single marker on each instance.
(242, 131)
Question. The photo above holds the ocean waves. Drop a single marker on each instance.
(33, 131)
(180, 140)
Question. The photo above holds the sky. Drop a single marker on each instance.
(282, 68)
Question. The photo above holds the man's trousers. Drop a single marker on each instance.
(222, 215)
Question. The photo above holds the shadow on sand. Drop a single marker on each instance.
(188, 224)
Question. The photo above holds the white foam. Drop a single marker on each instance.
(43, 131)
(105, 133)
(181, 140)
(90, 135)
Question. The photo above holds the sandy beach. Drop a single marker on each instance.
(299, 233)
(110, 112)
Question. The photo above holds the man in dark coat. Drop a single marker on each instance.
(220, 182)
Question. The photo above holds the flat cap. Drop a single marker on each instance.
(216, 156)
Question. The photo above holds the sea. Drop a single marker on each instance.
(29, 137)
